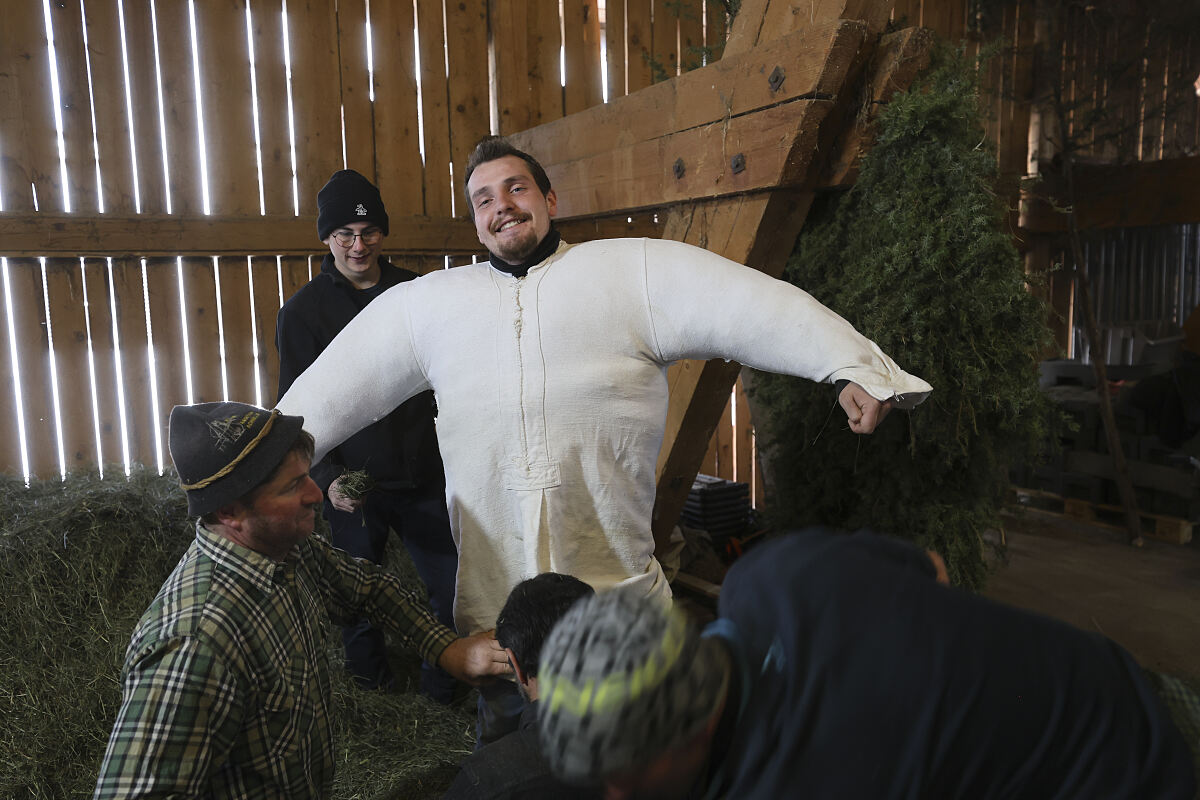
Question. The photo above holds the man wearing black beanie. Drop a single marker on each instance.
(399, 452)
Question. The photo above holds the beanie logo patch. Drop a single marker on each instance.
(226, 432)
(360, 210)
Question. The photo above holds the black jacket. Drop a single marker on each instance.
(400, 451)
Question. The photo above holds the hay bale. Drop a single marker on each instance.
(80, 561)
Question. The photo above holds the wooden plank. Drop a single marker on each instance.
(691, 35)
(227, 99)
(723, 441)
(358, 123)
(295, 274)
(143, 94)
(135, 367)
(544, 39)
(264, 273)
(312, 33)
(664, 40)
(179, 99)
(1154, 526)
(203, 332)
(69, 326)
(1130, 195)
(44, 234)
(237, 330)
(743, 435)
(470, 103)
(614, 47)
(716, 29)
(435, 115)
(11, 462)
(814, 60)
(601, 184)
(581, 29)
(1154, 92)
(75, 106)
(37, 400)
(398, 154)
(762, 21)
(270, 76)
(104, 362)
(638, 41)
(511, 45)
(699, 586)
(162, 283)
(31, 161)
(648, 224)
(112, 121)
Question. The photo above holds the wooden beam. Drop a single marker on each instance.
(31, 235)
(624, 225)
(1123, 196)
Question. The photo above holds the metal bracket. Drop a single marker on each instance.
(776, 79)
(738, 163)
(679, 168)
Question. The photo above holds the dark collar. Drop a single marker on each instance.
(389, 275)
(543, 251)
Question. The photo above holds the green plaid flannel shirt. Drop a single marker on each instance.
(226, 679)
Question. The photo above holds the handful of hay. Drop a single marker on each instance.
(356, 484)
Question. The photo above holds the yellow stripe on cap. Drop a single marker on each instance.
(611, 692)
(246, 451)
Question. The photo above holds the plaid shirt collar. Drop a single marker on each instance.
(263, 571)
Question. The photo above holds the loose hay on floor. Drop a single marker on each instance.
(80, 560)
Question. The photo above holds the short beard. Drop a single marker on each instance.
(519, 251)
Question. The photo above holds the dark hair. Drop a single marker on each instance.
(532, 609)
(305, 445)
(491, 148)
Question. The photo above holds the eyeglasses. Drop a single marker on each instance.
(370, 237)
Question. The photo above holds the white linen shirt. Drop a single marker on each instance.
(552, 394)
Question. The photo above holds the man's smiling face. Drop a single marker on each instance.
(512, 216)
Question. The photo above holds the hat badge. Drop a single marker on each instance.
(361, 211)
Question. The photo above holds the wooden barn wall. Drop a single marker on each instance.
(177, 125)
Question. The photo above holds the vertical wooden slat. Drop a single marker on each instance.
(398, 152)
(511, 44)
(266, 309)
(1085, 83)
(1155, 98)
(238, 337)
(106, 402)
(723, 437)
(162, 286)
(112, 122)
(1014, 158)
(638, 74)
(179, 98)
(614, 47)
(906, 13)
(143, 96)
(135, 368)
(69, 325)
(312, 32)
(295, 274)
(37, 404)
(204, 341)
(664, 38)
(275, 137)
(75, 106)
(544, 76)
(357, 111)
(691, 35)
(228, 106)
(27, 115)
(470, 112)
(435, 115)
(581, 42)
(716, 28)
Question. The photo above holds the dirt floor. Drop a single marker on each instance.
(1146, 599)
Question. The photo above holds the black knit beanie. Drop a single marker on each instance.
(348, 197)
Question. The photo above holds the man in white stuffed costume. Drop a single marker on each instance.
(549, 366)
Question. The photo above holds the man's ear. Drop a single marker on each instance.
(552, 203)
(232, 515)
(522, 678)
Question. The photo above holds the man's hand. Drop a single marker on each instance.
(474, 659)
(939, 566)
(340, 501)
(864, 412)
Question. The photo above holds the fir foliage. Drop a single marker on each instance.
(915, 256)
